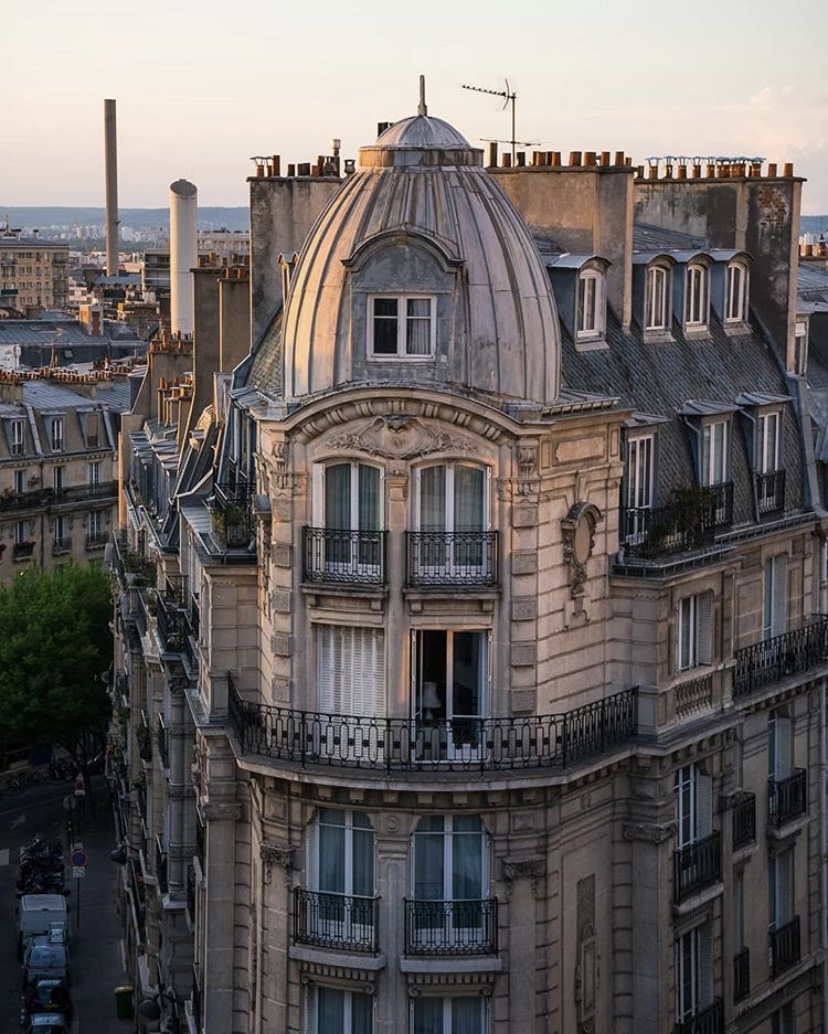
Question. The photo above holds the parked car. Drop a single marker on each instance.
(45, 1023)
(49, 994)
(55, 936)
(46, 961)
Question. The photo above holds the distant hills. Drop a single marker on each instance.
(138, 218)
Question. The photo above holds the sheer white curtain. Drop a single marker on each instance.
(418, 326)
(468, 498)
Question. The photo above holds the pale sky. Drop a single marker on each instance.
(201, 85)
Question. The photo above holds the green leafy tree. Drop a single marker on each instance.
(55, 646)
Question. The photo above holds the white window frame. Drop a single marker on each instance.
(769, 441)
(775, 597)
(456, 934)
(737, 284)
(452, 557)
(639, 482)
(349, 1022)
(58, 477)
(20, 485)
(22, 533)
(61, 530)
(781, 900)
(17, 439)
(341, 924)
(352, 556)
(469, 1004)
(715, 460)
(446, 731)
(657, 299)
(402, 319)
(694, 631)
(93, 474)
(693, 791)
(780, 746)
(697, 297)
(95, 524)
(590, 305)
(56, 433)
(694, 972)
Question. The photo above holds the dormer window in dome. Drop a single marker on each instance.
(401, 326)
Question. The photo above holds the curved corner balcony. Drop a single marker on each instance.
(467, 743)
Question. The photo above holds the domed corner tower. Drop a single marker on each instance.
(421, 272)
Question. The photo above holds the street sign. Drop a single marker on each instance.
(78, 871)
(78, 859)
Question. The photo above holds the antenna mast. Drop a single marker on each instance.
(510, 98)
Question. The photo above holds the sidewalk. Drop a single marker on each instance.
(96, 926)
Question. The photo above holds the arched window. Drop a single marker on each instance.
(657, 300)
(736, 303)
(697, 297)
(590, 321)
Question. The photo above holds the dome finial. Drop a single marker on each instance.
(421, 108)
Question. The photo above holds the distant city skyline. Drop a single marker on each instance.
(200, 86)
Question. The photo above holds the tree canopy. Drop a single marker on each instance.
(55, 649)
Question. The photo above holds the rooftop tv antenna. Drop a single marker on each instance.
(509, 98)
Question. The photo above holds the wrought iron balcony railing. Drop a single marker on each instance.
(741, 975)
(792, 653)
(232, 515)
(458, 558)
(705, 1021)
(697, 866)
(63, 545)
(787, 798)
(770, 492)
(744, 820)
(784, 947)
(339, 556)
(360, 741)
(451, 927)
(161, 866)
(22, 550)
(97, 539)
(342, 921)
(688, 522)
(163, 736)
(191, 894)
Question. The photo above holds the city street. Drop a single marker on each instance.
(95, 923)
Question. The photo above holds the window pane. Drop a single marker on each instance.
(429, 867)
(338, 496)
(428, 1016)
(418, 326)
(362, 1015)
(363, 878)
(385, 326)
(433, 499)
(331, 1010)
(332, 859)
(369, 498)
(467, 870)
(466, 1016)
(468, 498)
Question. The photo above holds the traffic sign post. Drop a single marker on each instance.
(78, 859)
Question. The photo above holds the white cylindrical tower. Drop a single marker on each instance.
(183, 254)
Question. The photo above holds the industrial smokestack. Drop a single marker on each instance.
(183, 254)
(111, 148)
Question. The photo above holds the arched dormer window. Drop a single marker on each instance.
(657, 299)
(736, 297)
(590, 316)
(697, 297)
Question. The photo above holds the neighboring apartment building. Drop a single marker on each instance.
(33, 272)
(58, 449)
(481, 686)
